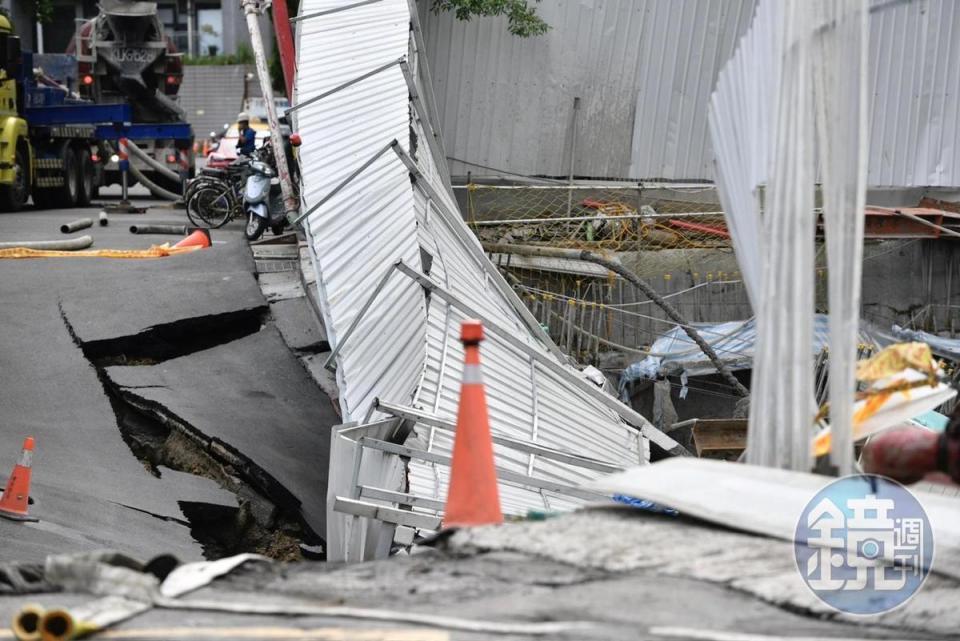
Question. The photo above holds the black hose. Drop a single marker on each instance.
(176, 230)
(76, 225)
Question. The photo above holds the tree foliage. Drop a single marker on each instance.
(522, 18)
(44, 10)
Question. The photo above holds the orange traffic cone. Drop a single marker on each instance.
(473, 497)
(16, 496)
(199, 238)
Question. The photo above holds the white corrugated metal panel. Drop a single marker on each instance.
(406, 349)
(507, 102)
(369, 225)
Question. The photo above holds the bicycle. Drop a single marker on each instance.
(216, 196)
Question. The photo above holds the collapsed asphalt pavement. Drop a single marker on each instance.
(602, 573)
(174, 414)
(168, 413)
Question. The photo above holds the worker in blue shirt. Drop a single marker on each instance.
(247, 138)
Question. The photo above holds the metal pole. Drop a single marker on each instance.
(191, 50)
(124, 164)
(252, 10)
(573, 152)
(281, 29)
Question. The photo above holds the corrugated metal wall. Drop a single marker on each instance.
(915, 88)
(507, 102)
(644, 70)
(213, 95)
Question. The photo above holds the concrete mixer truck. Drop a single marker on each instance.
(62, 115)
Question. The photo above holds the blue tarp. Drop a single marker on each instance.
(734, 342)
(945, 347)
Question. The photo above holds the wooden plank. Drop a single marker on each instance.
(720, 437)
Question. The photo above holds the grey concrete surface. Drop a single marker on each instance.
(50, 391)
(622, 540)
(263, 407)
(90, 490)
(298, 324)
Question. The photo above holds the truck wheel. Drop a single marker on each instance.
(67, 194)
(87, 190)
(14, 196)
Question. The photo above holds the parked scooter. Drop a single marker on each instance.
(262, 197)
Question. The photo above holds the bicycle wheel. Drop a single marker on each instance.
(211, 205)
(194, 185)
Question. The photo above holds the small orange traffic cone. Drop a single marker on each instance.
(199, 238)
(473, 497)
(16, 496)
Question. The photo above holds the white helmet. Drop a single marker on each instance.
(243, 116)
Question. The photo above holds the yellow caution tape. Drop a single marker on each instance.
(155, 251)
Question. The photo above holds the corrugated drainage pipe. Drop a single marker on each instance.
(179, 230)
(82, 242)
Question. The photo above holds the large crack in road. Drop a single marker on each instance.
(266, 519)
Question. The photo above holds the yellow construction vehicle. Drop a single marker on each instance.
(16, 161)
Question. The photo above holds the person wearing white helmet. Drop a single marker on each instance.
(247, 138)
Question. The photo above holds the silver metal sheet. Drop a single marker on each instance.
(405, 348)
(644, 71)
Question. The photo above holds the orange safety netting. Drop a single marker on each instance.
(155, 251)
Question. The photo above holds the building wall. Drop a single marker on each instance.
(22, 15)
(213, 95)
(507, 102)
(644, 71)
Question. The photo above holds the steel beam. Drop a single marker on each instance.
(328, 364)
(502, 475)
(455, 223)
(400, 498)
(343, 86)
(386, 514)
(413, 414)
(346, 181)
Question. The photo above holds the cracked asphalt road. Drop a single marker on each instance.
(90, 491)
